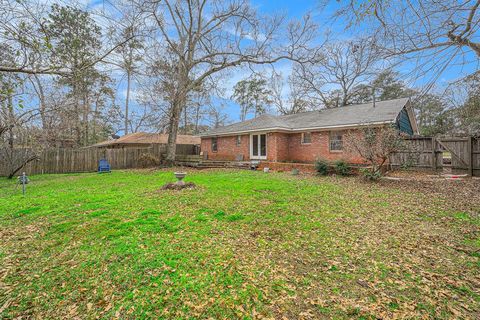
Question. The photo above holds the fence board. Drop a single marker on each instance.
(86, 160)
(427, 152)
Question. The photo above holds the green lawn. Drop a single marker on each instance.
(243, 245)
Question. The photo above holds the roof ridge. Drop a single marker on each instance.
(337, 108)
(386, 112)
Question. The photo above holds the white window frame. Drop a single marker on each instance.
(303, 138)
(216, 144)
(238, 141)
(258, 157)
(342, 133)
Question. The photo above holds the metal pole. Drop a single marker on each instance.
(23, 183)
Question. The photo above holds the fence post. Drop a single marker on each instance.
(470, 156)
(434, 153)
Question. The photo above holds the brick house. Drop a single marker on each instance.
(304, 137)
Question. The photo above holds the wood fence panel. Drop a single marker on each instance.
(186, 149)
(420, 152)
(86, 160)
(459, 149)
(427, 152)
(476, 156)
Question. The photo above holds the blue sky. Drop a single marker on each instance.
(322, 15)
(293, 10)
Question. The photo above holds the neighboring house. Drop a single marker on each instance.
(304, 137)
(144, 140)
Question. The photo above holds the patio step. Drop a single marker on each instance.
(210, 164)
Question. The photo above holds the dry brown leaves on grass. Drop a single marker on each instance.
(175, 186)
(286, 247)
(394, 256)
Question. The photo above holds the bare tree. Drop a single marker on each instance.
(217, 116)
(207, 37)
(252, 94)
(23, 28)
(375, 145)
(463, 98)
(434, 33)
(12, 130)
(153, 91)
(13, 160)
(333, 80)
(288, 96)
(197, 108)
(130, 55)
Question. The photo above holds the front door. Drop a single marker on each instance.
(258, 146)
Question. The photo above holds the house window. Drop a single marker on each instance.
(239, 141)
(336, 141)
(214, 145)
(306, 138)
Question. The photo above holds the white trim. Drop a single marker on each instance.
(412, 117)
(281, 129)
(216, 144)
(259, 157)
(302, 138)
(330, 141)
(238, 140)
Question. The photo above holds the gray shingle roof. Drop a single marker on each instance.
(360, 114)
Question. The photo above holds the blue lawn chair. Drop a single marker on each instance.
(103, 166)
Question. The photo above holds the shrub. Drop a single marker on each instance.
(342, 168)
(321, 166)
(146, 160)
(375, 145)
(371, 175)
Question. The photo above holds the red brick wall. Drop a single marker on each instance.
(277, 146)
(227, 148)
(319, 148)
(280, 147)
(301, 167)
(287, 167)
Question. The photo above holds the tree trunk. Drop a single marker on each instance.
(244, 114)
(177, 107)
(86, 112)
(127, 101)
(197, 118)
(42, 104)
(344, 98)
(78, 129)
(11, 119)
(94, 122)
(42, 110)
(76, 96)
(185, 120)
(19, 167)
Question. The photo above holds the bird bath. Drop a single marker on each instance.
(180, 176)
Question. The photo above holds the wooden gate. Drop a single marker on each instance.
(461, 154)
(460, 150)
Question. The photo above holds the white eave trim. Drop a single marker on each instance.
(412, 117)
(281, 129)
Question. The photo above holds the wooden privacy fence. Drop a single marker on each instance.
(86, 160)
(460, 154)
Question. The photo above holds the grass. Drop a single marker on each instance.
(242, 245)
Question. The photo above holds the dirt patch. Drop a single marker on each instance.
(175, 186)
